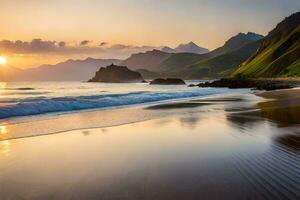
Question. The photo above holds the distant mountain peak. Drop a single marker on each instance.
(244, 38)
(168, 49)
(191, 43)
(69, 70)
(236, 42)
(146, 60)
(190, 47)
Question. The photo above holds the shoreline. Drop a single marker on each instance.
(210, 147)
(35, 126)
(239, 102)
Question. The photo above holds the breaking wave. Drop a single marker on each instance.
(42, 105)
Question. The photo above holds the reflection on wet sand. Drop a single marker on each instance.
(4, 147)
(282, 112)
(283, 108)
(291, 141)
(234, 148)
(4, 132)
(282, 116)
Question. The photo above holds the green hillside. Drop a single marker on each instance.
(279, 52)
(217, 63)
(222, 65)
(179, 61)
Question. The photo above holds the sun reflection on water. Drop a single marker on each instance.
(5, 147)
(3, 130)
(4, 133)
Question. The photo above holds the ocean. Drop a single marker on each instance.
(36, 98)
(72, 140)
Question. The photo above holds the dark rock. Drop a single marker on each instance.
(116, 74)
(258, 84)
(167, 81)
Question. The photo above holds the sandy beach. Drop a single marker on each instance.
(242, 146)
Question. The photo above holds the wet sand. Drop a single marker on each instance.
(238, 147)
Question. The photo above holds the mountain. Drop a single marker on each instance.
(221, 65)
(70, 70)
(237, 42)
(168, 50)
(190, 47)
(116, 74)
(148, 74)
(149, 60)
(278, 54)
(8, 73)
(217, 63)
(179, 61)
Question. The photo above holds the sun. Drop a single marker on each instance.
(2, 60)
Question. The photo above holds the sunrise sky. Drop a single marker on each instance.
(116, 28)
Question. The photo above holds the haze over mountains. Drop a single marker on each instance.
(190, 47)
(246, 54)
(81, 70)
(70, 70)
(150, 64)
(149, 60)
(217, 63)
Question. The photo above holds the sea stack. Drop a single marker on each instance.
(167, 81)
(116, 74)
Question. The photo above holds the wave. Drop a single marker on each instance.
(42, 105)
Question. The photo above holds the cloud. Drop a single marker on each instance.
(50, 47)
(84, 42)
(35, 45)
(103, 44)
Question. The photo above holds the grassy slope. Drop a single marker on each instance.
(278, 59)
(176, 62)
(217, 63)
(221, 65)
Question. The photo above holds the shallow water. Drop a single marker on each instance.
(206, 152)
(35, 98)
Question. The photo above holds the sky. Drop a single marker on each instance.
(35, 32)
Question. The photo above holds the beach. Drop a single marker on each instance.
(235, 146)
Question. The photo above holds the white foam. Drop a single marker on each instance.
(41, 105)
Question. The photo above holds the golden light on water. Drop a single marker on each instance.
(5, 144)
(3, 130)
(4, 133)
(3, 60)
(4, 147)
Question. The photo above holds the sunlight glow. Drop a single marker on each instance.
(3, 130)
(3, 135)
(4, 147)
(2, 60)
